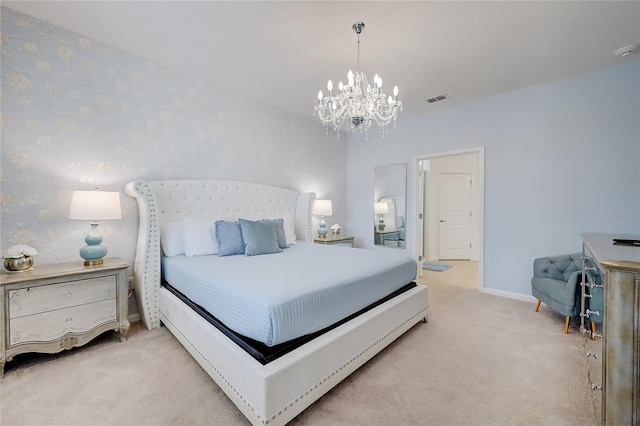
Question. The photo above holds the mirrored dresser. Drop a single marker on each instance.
(610, 325)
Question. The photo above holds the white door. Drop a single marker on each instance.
(454, 216)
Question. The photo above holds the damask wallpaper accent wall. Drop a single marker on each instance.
(77, 114)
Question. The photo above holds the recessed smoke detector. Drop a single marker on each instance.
(437, 98)
(627, 50)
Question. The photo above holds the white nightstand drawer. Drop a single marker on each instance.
(52, 325)
(335, 240)
(33, 300)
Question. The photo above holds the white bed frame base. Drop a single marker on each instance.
(274, 393)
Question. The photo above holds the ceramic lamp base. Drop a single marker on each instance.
(93, 252)
(322, 229)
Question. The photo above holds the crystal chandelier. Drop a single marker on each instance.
(358, 102)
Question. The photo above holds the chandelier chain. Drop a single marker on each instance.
(358, 60)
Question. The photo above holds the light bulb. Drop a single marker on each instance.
(329, 86)
(390, 100)
(340, 86)
(395, 91)
(320, 95)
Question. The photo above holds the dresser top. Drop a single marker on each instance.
(611, 255)
(39, 272)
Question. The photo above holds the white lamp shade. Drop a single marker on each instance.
(381, 208)
(95, 205)
(322, 208)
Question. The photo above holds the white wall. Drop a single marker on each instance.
(561, 158)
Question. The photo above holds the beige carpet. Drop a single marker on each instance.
(481, 360)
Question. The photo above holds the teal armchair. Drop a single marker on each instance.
(556, 282)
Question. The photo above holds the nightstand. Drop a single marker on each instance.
(340, 240)
(56, 307)
(380, 236)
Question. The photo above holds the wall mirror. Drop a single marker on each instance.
(390, 205)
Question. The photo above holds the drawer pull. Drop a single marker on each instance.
(596, 387)
(590, 312)
(592, 354)
(68, 320)
(67, 294)
(595, 285)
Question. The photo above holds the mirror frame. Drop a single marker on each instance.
(390, 184)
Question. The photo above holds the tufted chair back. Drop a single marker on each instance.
(557, 267)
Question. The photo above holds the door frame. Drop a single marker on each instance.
(418, 224)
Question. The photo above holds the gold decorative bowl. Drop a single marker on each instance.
(17, 264)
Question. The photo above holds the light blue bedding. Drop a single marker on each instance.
(277, 297)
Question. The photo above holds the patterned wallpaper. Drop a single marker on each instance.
(77, 114)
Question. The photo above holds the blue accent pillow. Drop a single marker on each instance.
(280, 235)
(229, 238)
(259, 237)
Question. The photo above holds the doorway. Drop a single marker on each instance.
(450, 206)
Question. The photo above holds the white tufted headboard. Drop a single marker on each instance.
(169, 200)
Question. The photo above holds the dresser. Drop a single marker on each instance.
(611, 299)
(56, 307)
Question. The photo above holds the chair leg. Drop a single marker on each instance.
(593, 331)
(566, 325)
(538, 305)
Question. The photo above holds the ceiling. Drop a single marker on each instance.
(282, 52)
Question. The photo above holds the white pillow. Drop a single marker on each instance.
(290, 227)
(199, 239)
(172, 238)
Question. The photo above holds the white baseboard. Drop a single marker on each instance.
(134, 318)
(509, 295)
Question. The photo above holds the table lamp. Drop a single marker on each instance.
(94, 206)
(322, 208)
(381, 209)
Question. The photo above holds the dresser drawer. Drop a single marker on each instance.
(53, 325)
(34, 300)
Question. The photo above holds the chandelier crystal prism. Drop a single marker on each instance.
(357, 102)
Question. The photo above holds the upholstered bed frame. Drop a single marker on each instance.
(276, 392)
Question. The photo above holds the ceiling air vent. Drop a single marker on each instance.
(437, 98)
